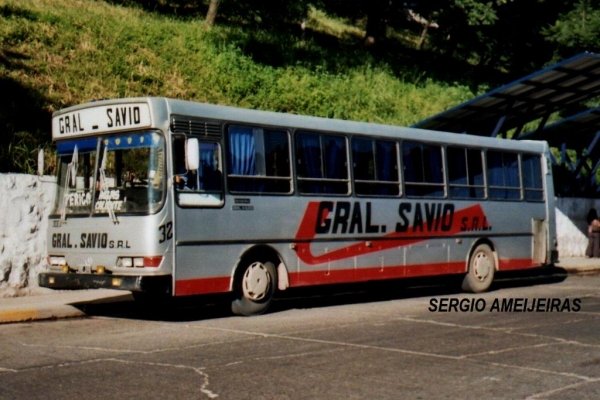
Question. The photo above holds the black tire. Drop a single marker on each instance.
(254, 288)
(482, 266)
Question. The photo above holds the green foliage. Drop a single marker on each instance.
(22, 151)
(578, 29)
(478, 12)
(56, 53)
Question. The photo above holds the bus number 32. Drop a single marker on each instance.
(166, 232)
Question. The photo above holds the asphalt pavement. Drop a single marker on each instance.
(56, 304)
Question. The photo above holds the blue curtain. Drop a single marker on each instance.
(309, 156)
(386, 161)
(412, 158)
(532, 171)
(362, 156)
(335, 157)
(475, 167)
(495, 169)
(512, 170)
(208, 173)
(242, 151)
(432, 164)
(503, 173)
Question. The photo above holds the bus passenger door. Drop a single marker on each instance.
(199, 197)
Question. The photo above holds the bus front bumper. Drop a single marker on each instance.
(137, 283)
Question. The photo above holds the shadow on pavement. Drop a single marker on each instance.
(198, 308)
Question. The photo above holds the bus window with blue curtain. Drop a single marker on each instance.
(242, 151)
(465, 173)
(532, 177)
(322, 163)
(423, 169)
(258, 160)
(503, 175)
(386, 161)
(375, 166)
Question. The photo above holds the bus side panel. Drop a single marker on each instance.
(511, 232)
(335, 240)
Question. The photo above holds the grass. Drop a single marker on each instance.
(56, 53)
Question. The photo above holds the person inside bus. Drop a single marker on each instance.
(207, 178)
(184, 179)
(593, 247)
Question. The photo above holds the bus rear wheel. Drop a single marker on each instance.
(482, 266)
(254, 288)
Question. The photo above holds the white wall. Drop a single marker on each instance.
(26, 200)
(571, 225)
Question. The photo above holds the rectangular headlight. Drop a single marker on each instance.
(125, 262)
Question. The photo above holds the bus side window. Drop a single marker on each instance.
(375, 167)
(503, 175)
(531, 166)
(423, 171)
(465, 173)
(210, 177)
(258, 160)
(322, 162)
(201, 187)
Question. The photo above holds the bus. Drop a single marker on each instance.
(168, 197)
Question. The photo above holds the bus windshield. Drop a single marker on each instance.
(119, 174)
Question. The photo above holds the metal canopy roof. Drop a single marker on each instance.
(580, 133)
(559, 90)
(571, 131)
(534, 97)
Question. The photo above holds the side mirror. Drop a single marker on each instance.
(40, 162)
(192, 154)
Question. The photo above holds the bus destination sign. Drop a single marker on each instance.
(101, 119)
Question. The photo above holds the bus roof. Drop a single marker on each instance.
(162, 108)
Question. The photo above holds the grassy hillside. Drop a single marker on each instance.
(56, 53)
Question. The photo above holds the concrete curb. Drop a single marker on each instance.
(580, 265)
(39, 313)
(55, 305)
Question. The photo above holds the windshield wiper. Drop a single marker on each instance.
(70, 180)
(102, 185)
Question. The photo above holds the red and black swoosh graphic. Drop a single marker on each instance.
(306, 234)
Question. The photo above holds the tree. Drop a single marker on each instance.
(505, 35)
(211, 14)
(577, 30)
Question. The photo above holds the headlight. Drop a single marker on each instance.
(139, 262)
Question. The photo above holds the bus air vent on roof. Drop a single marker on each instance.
(194, 126)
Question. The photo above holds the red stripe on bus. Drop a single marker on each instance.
(369, 274)
(508, 264)
(353, 275)
(202, 286)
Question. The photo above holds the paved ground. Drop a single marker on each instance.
(375, 341)
(48, 304)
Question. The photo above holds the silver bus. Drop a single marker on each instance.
(178, 198)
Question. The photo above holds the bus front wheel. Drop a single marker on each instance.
(254, 288)
(482, 266)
